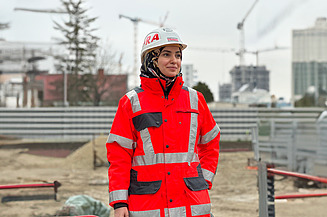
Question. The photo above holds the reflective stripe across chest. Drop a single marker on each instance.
(150, 157)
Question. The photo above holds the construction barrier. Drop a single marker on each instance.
(299, 175)
(295, 141)
(55, 185)
(267, 192)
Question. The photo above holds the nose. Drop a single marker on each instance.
(173, 59)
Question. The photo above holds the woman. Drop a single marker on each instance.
(163, 146)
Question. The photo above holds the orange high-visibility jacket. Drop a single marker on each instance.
(163, 152)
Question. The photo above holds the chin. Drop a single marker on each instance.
(171, 74)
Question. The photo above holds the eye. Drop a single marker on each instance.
(178, 56)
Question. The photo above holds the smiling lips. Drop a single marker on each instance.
(172, 67)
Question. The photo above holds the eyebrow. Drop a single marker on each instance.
(168, 51)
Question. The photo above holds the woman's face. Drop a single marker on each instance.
(169, 61)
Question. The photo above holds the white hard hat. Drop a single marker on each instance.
(158, 38)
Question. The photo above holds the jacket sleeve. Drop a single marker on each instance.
(120, 146)
(208, 146)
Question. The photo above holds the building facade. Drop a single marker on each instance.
(309, 59)
(253, 76)
(225, 92)
(28, 78)
(190, 77)
(107, 89)
(17, 59)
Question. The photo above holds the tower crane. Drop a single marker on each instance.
(135, 22)
(240, 26)
(52, 11)
(256, 53)
(213, 49)
(223, 51)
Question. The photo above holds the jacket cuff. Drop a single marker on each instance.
(118, 196)
(119, 205)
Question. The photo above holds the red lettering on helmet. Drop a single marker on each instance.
(147, 40)
(155, 37)
(151, 38)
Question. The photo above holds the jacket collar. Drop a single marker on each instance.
(152, 85)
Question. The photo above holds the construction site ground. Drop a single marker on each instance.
(234, 191)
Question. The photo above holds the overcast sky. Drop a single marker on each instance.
(200, 24)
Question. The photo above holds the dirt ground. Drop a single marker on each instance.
(234, 191)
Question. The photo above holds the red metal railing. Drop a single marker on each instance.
(299, 175)
(55, 185)
(291, 196)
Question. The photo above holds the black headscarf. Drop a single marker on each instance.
(150, 69)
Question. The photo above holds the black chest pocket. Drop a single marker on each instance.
(146, 120)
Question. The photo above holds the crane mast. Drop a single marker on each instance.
(135, 22)
(240, 26)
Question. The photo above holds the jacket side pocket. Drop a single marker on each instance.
(140, 188)
(196, 183)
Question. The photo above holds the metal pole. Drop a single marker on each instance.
(255, 143)
(65, 89)
(262, 179)
(135, 53)
(94, 152)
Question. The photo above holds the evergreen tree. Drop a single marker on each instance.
(80, 45)
(204, 89)
(306, 101)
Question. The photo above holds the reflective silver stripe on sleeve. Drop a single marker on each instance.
(118, 195)
(135, 102)
(148, 213)
(122, 141)
(203, 209)
(175, 212)
(210, 135)
(208, 175)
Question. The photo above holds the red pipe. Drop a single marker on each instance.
(300, 196)
(300, 175)
(55, 186)
(27, 186)
(86, 216)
